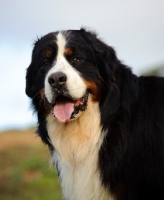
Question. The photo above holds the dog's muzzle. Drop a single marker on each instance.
(64, 106)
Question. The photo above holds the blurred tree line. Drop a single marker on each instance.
(155, 71)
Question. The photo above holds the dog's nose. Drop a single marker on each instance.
(57, 80)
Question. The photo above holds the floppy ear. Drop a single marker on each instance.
(30, 88)
(104, 55)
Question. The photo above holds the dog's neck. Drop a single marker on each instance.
(77, 145)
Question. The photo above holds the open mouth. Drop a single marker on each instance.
(66, 108)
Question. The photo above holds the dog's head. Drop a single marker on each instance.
(67, 69)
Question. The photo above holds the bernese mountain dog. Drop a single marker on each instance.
(104, 125)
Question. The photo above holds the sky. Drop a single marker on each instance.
(135, 28)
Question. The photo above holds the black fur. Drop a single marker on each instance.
(131, 158)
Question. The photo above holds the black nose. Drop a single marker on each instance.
(57, 80)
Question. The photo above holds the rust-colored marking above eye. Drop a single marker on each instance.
(48, 53)
(68, 51)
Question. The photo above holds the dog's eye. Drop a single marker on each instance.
(44, 67)
(45, 64)
(75, 59)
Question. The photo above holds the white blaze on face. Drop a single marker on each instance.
(74, 82)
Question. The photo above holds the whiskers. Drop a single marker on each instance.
(37, 94)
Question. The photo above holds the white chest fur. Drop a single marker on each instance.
(77, 144)
(81, 181)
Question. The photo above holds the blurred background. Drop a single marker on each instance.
(134, 28)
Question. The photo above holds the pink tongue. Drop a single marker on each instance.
(63, 111)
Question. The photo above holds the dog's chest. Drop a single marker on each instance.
(81, 180)
(77, 162)
(76, 154)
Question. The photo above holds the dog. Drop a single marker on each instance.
(104, 125)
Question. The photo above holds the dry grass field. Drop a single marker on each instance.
(25, 171)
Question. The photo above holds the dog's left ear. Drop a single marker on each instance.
(104, 55)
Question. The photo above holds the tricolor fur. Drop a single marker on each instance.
(104, 125)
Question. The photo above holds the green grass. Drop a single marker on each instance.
(25, 174)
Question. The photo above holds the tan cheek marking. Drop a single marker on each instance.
(44, 105)
(68, 52)
(94, 90)
(48, 53)
(42, 94)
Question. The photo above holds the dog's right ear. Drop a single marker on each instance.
(30, 88)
